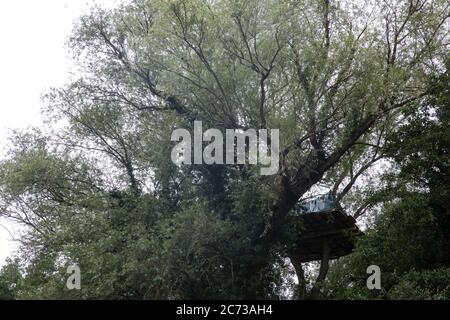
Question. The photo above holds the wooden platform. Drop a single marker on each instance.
(335, 227)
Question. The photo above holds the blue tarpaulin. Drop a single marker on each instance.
(320, 204)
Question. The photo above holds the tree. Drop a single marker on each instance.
(10, 280)
(410, 239)
(103, 192)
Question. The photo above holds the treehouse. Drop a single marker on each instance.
(325, 230)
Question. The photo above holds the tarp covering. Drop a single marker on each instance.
(320, 204)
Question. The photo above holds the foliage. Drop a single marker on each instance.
(425, 285)
(410, 240)
(97, 187)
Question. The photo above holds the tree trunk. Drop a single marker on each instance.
(300, 292)
(324, 265)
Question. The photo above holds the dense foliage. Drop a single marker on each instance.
(347, 83)
(410, 240)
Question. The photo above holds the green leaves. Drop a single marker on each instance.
(409, 240)
(100, 190)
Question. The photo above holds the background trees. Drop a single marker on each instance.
(100, 191)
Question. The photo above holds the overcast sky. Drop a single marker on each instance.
(32, 59)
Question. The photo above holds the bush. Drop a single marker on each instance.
(422, 285)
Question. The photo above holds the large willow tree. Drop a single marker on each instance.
(100, 189)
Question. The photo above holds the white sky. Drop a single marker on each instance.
(32, 59)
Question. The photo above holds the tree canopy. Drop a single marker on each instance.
(346, 83)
